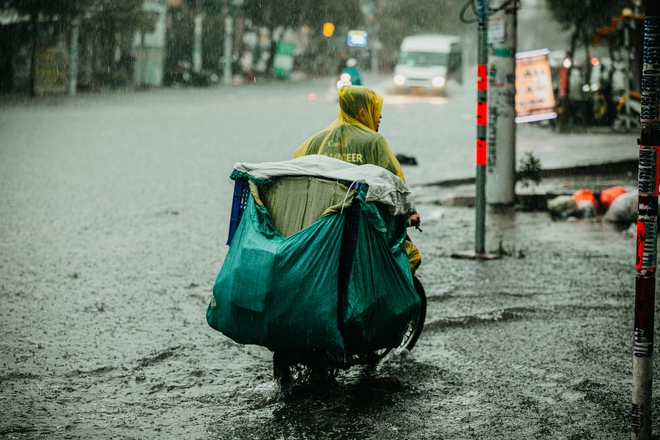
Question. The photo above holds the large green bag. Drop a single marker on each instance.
(380, 299)
(280, 292)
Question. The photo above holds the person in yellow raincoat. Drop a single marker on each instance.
(353, 138)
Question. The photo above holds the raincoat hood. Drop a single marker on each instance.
(360, 105)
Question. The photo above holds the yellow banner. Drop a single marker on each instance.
(534, 94)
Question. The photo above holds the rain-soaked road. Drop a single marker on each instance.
(113, 219)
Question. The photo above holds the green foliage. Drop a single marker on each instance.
(124, 16)
(117, 15)
(529, 170)
(45, 9)
(213, 35)
(401, 18)
(586, 14)
(294, 13)
(111, 24)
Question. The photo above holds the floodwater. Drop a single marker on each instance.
(112, 229)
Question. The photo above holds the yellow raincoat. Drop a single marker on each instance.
(352, 136)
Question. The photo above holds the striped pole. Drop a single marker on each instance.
(647, 225)
(482, 126)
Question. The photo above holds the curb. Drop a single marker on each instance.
(620, 168)
(537, 199)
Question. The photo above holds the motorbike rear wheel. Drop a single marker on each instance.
(414, 329)
(292, 367)
(416, 325)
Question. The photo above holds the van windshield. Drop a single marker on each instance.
(423, 59)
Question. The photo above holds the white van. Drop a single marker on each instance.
(427, 62)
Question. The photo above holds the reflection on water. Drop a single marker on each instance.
(365, 402)
(415, 99)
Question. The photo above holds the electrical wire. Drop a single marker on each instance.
(491, 11)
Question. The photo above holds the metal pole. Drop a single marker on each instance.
(375, 48)
(647, 225)
(626, 44)
(501, 107)
(482, 124)
(226, 78)
(375, 37)
(197, 44)
(73, 59)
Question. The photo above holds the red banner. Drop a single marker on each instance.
(482, 151)
(482, 113)
(482, 77)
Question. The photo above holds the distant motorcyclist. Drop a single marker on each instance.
(353, 138)
(354, 71)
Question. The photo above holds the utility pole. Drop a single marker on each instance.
(482, 142)
(375, 37)
(197, 38)
(482, 126)
(502, 32)
(73, 58)
(229, 24)
(647, 225)
(229, 44)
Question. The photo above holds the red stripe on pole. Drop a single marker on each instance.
(482, 77)
(482, 113)
(482, 151)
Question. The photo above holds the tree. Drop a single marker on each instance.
(400, 18)
(295, 13)
(112, 23)
(40, 11)
(104, 20)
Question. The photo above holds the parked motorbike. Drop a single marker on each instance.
(182, 74)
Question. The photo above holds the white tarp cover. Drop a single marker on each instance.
(384, 187)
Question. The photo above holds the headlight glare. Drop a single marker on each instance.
(438, 81)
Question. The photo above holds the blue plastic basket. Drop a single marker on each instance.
(239, 202)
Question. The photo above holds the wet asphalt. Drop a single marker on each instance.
(115, 208)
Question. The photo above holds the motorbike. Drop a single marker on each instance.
(182, 74)
(349, 77)
(316, 269)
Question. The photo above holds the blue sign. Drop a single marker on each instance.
(356, 38)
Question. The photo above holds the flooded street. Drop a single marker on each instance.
(114, 218)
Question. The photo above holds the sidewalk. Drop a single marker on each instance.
(570, 162)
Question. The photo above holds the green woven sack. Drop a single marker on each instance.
(276, 291)
(380, 300)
